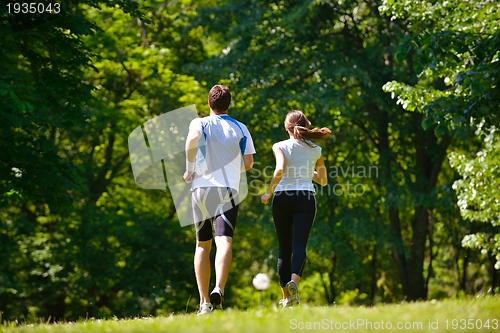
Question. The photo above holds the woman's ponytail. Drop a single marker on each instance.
(297, 124)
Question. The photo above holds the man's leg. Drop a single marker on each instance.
(203, 225)
(202, 268)
(223, 260)
(224, 231)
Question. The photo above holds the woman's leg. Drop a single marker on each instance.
(283, 225)
(302, 225)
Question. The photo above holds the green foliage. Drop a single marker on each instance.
(81, 240)
(331, 59)
(478, 196)
(454, 49)
(42, 92)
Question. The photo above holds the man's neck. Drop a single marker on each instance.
(215, 113)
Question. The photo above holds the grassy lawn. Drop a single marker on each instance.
(467, 315)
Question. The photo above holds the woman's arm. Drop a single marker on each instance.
(320, 175)
(277, 175)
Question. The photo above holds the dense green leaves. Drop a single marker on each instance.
(454, 50)
(478, 196)
(456, 46)
(331, 60)
(81, 239)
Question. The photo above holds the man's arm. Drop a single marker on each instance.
(191, 149)
(249, 149)
(248, 161)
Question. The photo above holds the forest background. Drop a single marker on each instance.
(408, 88)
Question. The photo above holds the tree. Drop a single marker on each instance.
(478, 196)
(454, 46)
(331, 60)
(80, 237)
(137, 79)
(42, 92)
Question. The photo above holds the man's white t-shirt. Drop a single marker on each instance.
(300, 163)
(219, 160)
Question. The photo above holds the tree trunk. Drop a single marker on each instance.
(416, 282)
(432, 255)
(329, 287)
(430, 154)
(398, 249)
(463, 275)
(373, 287)
(495, 283)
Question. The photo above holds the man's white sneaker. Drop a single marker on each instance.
(283, 302)
(205, 308)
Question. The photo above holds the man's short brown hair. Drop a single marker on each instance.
(219, 98)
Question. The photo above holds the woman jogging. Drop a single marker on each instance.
(298, 163)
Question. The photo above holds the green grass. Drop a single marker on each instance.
(466, 315)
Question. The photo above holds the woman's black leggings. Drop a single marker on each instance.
(293, 214)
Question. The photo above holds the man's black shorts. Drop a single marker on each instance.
(217, 205)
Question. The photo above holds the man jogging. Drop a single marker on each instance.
(218, 149)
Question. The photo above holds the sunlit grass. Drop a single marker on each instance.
(480, 314)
